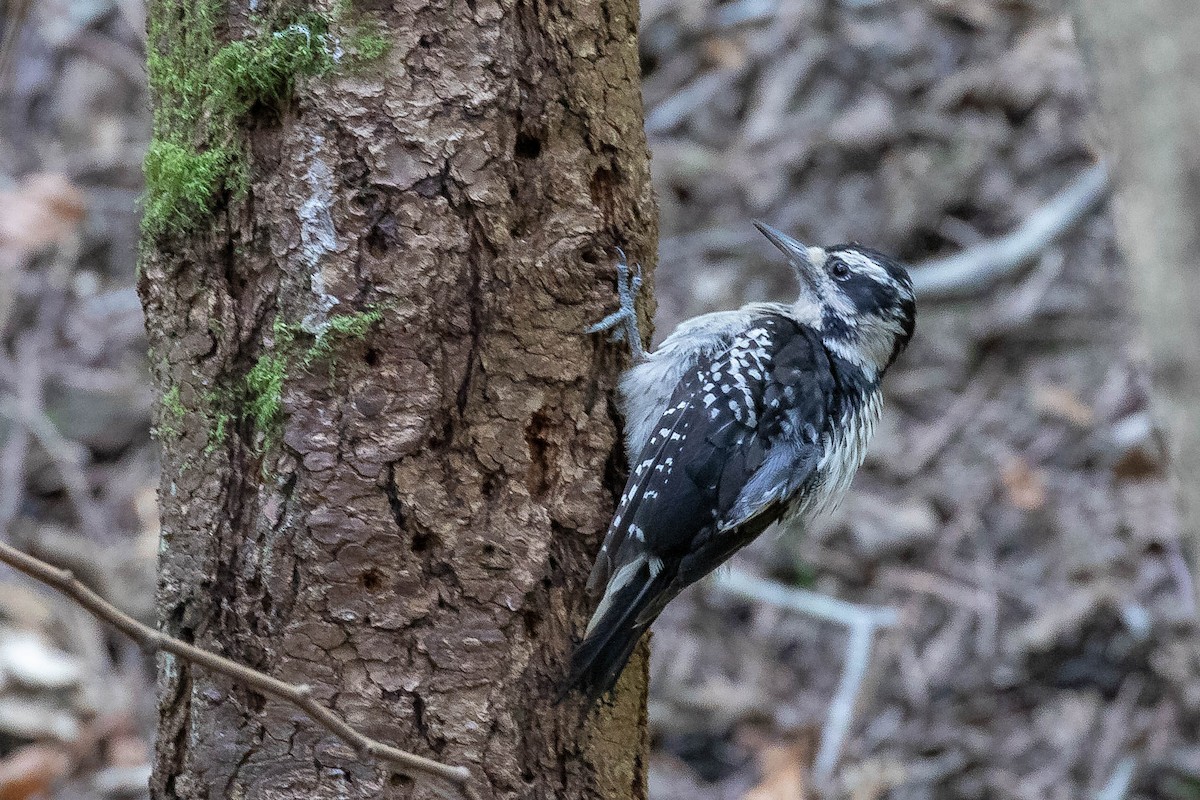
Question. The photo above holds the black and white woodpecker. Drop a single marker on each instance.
(738, 420)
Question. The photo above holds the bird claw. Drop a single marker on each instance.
(623, 323)
(610, 323)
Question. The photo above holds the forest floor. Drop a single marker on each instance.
(1013, 511)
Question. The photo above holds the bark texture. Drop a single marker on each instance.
(410, 530)
(1147, 69)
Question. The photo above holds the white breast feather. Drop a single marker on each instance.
(843, 452)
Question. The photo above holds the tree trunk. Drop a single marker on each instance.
(1147, 66)
(374, 233)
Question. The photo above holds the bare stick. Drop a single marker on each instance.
(845, 700)
(1118, 784)
(446, 780)
(863, 622)
(68, 458)
(813, 604)
(16, 11)
(978, 267)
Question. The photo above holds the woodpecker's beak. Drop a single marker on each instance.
(807, 261)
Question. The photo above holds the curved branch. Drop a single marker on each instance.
(446, 780)
(863, 623)
(978, 267)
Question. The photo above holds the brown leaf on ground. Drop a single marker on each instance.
(1061, 402)
(31, 771)
(784, 771)
(42, 209)
(1025, 485)
(874, 778)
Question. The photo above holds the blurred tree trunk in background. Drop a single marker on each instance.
(1146, 60)
(372, 241)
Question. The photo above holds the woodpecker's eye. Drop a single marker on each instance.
(839, 269)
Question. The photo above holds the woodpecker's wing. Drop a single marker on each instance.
(796, 404)
(738, 439)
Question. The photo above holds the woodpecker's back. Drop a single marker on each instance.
(738, 420)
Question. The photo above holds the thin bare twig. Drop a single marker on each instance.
(978, 267)
(449, 781)
(1122, 778)
(68, 457)
(24, 375)
(15, 13)
(863, 622)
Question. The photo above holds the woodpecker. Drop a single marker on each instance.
(739, 419)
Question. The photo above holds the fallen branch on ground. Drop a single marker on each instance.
(1119, 783)
(982, 265)
(446, 780)
(863, 622)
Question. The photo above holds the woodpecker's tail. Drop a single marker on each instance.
(633, 598)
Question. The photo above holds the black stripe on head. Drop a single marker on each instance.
(894, 268)
(908, 324)
(868, 295)
(880, 289)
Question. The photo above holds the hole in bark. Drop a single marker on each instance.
(430, 187)
(528, 146)
(421, 542)
(530, 618)
(419, 716)
(591, 257)
(397, 780)
(426, 41)
(381, 235)
(371, 580)
(489, 549)
(541, 455)
(601, 187)
(371, 357)
(256, 702)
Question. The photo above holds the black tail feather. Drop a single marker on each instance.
(600, 658)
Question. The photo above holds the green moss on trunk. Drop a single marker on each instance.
(262, 395)
(203, 90)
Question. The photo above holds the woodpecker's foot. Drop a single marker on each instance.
(623, 323)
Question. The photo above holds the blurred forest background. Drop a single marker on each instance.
(1013, 509)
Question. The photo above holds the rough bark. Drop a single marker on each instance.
(1147, 70)
(410, 533)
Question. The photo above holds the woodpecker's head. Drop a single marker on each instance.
(861, 300)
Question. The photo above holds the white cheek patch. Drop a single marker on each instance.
(807, 310)
(837, 301)
(877, 338)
